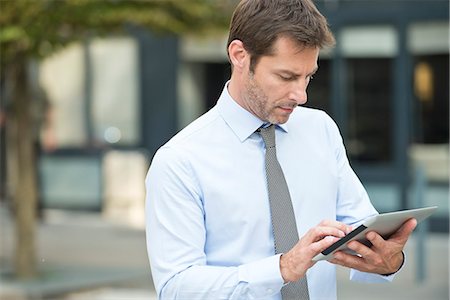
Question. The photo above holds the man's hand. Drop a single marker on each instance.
(295, 263)
(384, 257)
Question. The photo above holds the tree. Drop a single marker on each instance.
(34, 30)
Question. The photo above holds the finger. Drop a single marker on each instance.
(405, 230)
(377, 240)
(321, 245)
(347, 260)
(360, 248)
(319, 232)
(339, 225)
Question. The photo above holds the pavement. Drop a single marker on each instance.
(83, 256)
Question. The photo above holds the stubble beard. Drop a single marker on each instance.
(258, 102)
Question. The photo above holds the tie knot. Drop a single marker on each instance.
(268, 135)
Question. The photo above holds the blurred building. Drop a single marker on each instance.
(115, 100)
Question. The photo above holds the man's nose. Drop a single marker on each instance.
(299, 94)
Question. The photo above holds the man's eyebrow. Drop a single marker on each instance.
(291, 73)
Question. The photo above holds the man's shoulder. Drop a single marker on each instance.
(197, 129)
(307, 115)
(316, 124)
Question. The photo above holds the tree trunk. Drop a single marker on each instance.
(22, 170)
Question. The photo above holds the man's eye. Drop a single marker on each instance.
(287, 78)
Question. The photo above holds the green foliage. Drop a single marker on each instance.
(38, 27)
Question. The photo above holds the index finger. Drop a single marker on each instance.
(336, 224)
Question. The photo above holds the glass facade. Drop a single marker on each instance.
(93, 95)
(431, 94)
(94, 105)
(62, 77)
(369, 106)
(115, 104)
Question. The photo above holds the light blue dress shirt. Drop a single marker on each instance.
(209, 232)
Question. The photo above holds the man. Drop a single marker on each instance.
(210, 232)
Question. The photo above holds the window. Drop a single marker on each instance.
(62, 79)
(319, 88)
(115, 91)
(369, 53)
(93, 95)
(369, 112)
(428, 43)
(216, 74)
(431, 78)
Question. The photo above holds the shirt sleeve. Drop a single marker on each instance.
(353, 203)
(176, 237)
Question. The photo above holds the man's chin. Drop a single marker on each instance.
(279, 120)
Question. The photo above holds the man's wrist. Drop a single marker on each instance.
(399, 268)
(284, 269)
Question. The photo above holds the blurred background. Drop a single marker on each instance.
(90, 89)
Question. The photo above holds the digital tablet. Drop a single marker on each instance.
(384, 224)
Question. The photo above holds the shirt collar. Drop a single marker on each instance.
(242, 122)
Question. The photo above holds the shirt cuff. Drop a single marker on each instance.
(263, 276)
(359, 276)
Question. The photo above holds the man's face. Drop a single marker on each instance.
(278, 83)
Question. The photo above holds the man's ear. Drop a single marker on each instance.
(239, 57)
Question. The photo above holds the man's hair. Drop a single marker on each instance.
(258, 24)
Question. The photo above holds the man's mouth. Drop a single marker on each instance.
(287, 108)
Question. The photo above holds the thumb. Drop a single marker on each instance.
(405, 230)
